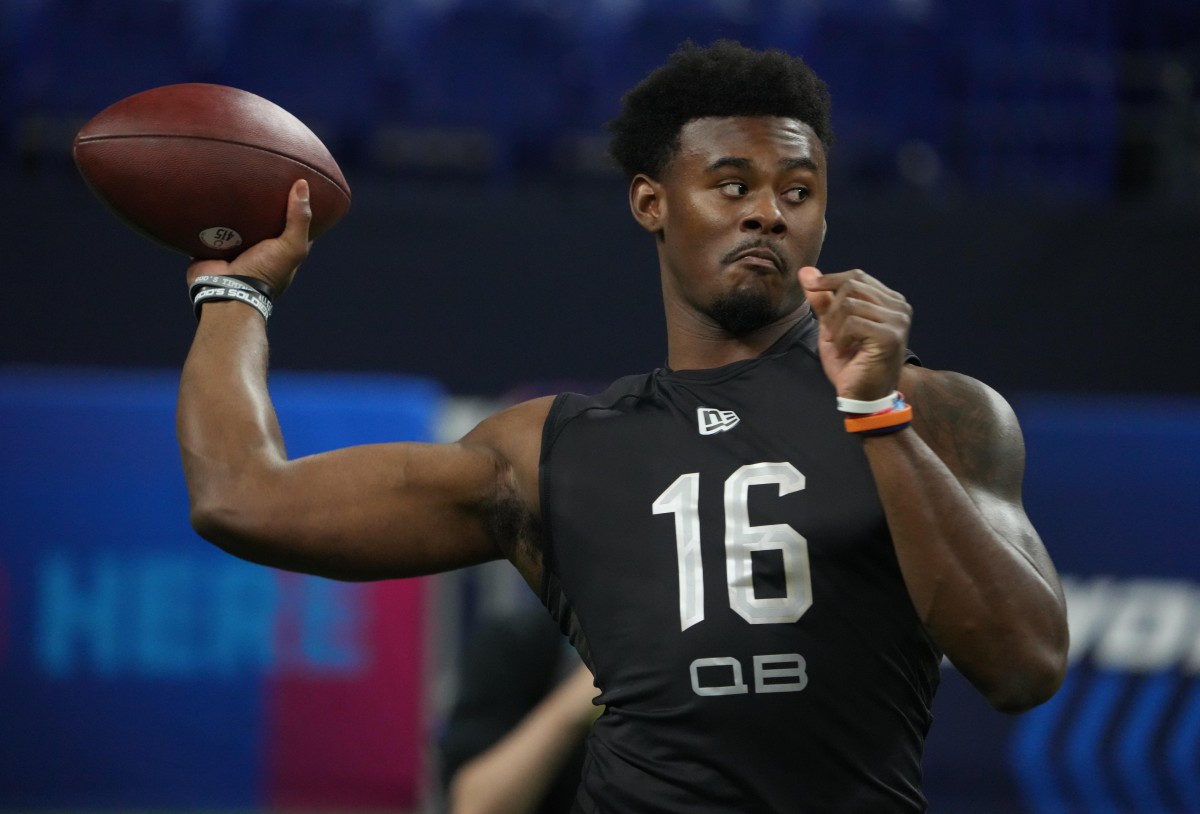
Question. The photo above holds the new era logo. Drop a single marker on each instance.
(714, 421)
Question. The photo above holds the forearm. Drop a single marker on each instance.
(512, 776)
(995, 610)
(226, 425)
(950, 484)
(373, 511)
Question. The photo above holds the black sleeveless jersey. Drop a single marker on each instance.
(716, 550)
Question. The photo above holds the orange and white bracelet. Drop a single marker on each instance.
(894, 415)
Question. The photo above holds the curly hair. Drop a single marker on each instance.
(724, 79)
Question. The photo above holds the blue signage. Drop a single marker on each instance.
(134, 656)
(1112, 487)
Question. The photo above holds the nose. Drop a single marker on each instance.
(764, 216)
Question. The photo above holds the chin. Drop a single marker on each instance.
(743, 312)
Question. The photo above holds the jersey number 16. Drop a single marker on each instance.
(682, 498)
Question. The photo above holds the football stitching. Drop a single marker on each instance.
(293, 159)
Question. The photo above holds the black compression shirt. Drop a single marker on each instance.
(716, 549)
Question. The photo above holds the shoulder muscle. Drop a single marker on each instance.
(971, 428)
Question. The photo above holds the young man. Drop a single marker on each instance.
(762, 550)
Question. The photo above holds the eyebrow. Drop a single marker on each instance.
(736, 162)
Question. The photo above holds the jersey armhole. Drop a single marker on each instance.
(549, 435)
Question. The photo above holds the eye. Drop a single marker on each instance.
(734, 189)
(797, 194)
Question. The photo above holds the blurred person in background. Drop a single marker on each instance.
(513, 742)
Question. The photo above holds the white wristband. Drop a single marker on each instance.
(217, 281)
(867, 407)
(252, 298)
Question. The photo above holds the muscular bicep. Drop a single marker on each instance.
(366, 512)
(975, 432)
(378, 511)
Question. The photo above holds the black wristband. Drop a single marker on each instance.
(255, 283)
(222, 281)
(258, 302)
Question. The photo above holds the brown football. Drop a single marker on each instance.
(205, 169)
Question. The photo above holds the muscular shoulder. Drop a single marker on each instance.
(512, 438)
(969, 425)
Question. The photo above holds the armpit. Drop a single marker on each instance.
(518, 532)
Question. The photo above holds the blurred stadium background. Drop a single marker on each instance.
(1027, 172)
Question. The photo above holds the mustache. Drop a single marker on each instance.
(751, 245)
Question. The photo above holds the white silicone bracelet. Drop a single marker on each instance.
(216, 281)
(867, 407)
(251, 298)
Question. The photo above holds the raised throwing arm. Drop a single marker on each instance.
(368, 512)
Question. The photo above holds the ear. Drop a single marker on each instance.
(647, 202)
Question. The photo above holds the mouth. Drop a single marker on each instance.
(760, 256)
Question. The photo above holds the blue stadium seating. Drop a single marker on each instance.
(313, 57)
(1009, 96)
(485, 88)
(888, 71)
(1037, 96)
(633, 40)
(14, 41)
(616, 43)
(76, 57)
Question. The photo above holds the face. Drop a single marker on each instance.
(739, 210)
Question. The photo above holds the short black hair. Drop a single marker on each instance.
(723, 79)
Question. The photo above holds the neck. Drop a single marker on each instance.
(694, 343)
